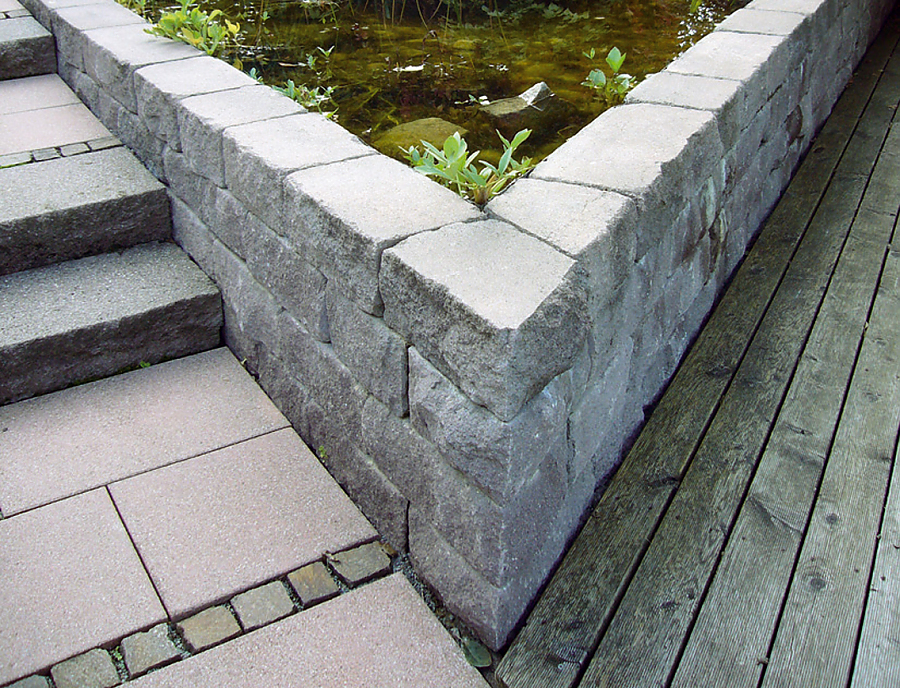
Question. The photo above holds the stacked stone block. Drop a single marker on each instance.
(469, 376)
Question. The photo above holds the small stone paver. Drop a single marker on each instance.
(94, 669)
(148, 650)
(313, 584)
(43, 154)
(31, 682)
(381, 634)
(262, 605)
(208, 628)
(71, 582)
(224, 522)
(74, 149)
(360, 564)
(172, 411)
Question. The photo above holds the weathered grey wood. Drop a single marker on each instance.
(568, 620)
(731, 637)
(816, 638)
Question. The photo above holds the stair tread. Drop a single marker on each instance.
(26, 48)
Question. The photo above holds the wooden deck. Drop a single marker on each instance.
(752, 535)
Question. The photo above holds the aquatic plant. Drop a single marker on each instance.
(454, 167)
(610, 89)
(313, 98)
(210, 32)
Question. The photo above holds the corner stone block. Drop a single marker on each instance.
(69, 24)
(498, 312)
(203, 118)
(159, 87)
(596, 228)
(349, 213)
(655, 153)
(259, 155)
(497, 456)
(373, 352)
(112, 55)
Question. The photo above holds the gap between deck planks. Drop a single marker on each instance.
(565, 627)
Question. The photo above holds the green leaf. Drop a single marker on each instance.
(476, 654)
(615, 59)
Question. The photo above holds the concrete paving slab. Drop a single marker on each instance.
(48, 128)
(226, 521)
(9, 6)
(71, 581)
(118, 427)
(35, 93)
(379, 635)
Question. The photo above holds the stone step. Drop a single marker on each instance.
(71, 207)
(26, 47)
(92, 317)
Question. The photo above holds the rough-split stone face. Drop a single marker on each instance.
(498, 312)
(208, 628)
(350, 212)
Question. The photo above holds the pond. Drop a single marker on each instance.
(388, 62)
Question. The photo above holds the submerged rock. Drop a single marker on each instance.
(538, 109)
(432, 129)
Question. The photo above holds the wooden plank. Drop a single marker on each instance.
(564, 628)
(645, 637)
(734, 628)
(816, 638)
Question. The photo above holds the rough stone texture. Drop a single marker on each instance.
(259, 155)
(259, 509)
(498, 312)
(96, 316)
(71, 24)
(102, 201)
(262, 605)
(360, 564)
(203, 118)
(159, 87)
(208, 399)
(349, 213)
(31, 682)
(94, 669)
(381, 634)
(72, 581)
(26, 49)
(313, 584)
(375, 354)
(208, 628)
(148, 650)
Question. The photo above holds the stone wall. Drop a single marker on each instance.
(470, 376)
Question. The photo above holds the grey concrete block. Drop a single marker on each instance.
(596, 228)
(95, 316)
(70, 24)
(111, 56)
(753, 20)
(350, 212)
(149, 650)
(375, 354)
(100, 202)
(500, 313)
(159, 87)
(94, 669)
(262, 605)
(284, 269)
(208, 628)
(259, 155)
(196, 191)
(148, 149)
(26, 49)
(230, 221)
(251, 313)
(499, 457)
(202, 119)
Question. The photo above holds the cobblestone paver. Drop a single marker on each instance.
(313, 584)
(208, 628)
(148, 650)
(94, 669)
(262, 605)
(360, 564)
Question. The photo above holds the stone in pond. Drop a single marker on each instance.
(538, 109)
(432, 129)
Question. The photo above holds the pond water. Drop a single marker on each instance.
(390, 62)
